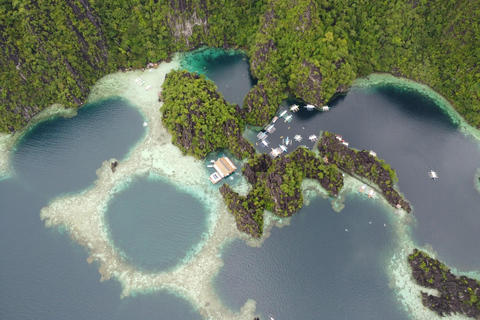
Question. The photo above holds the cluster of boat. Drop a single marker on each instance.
(141, 83)
(371, 192)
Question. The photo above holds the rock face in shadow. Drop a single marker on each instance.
(276, 186)
(457, 295)
(363, 164)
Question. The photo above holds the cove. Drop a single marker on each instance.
(154, 224)
(229, 69)
(314, 269)
(60, 155)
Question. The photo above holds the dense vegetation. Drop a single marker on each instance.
(363, 164)
(199, 118)
(457, 295)
(276, 186)
(53, 51)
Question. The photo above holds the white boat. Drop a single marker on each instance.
(138, 79)
(288, 118)
(148, 87)
(309, 107)
(325, 108)
(312, 137)
(362, 188)
(371, 193)
(210, 165)
(283, 113)
(145, 124)
(433, 175)
(298, 138)
(294, 108)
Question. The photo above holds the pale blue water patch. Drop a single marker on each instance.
(61, 155)
(229, 69)
(314, 269)
(154, 224)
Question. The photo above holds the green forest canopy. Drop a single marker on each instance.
(54, 51)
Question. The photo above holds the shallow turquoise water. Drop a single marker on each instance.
(227, 68)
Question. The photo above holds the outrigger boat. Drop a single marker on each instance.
(433, 175)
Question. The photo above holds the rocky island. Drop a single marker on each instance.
(363, 164)
(276, 187)
(199, 118)
(457, 295)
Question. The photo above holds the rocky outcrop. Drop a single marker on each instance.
(363, 164)
(265, 46)
(457, 295)
(260, 107)
(247, 211)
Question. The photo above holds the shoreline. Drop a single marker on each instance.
(8, 141)
(376, 79)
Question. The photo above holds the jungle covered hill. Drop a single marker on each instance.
(54, 51)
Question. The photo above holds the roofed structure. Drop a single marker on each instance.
(224, 167)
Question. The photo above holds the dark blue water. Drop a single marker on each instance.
(227, 68)
(154, 224)
(43, 274)
(314, 269)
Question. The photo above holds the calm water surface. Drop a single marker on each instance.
(155, 224)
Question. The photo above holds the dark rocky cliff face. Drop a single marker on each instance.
(457, 295)
(363, 164)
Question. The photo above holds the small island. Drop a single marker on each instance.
(277, 187)
(457, 295)
(363, 164)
